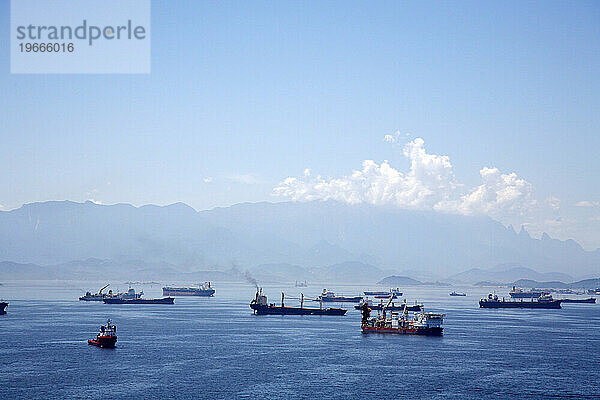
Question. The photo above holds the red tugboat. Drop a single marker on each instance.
(107, 337)
(421, 324)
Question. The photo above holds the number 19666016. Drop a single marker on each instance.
(47, 47)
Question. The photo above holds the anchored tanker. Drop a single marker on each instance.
(202, 290)
(492, 301)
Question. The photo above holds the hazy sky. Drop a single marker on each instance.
(243, 95)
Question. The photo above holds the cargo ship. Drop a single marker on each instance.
(130, 294)
(3, 306)
(429, 324)
(395, 292)
(390, 307)
(164, 300)
(97, 296)
(330, 297)
(204, 290)
(591, 300)
(518, 293)
(458, 294)
(261, 307)
(107, 337)
(492, 301)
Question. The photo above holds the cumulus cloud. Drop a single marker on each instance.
(429, 181)
(499, 195)
(430, 184)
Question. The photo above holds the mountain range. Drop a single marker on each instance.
(307, 240)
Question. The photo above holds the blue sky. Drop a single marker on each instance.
(243, 95)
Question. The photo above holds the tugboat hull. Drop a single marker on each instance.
(405, 331)
(260, 309)
(108, 342)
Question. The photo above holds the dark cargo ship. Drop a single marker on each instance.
(261, 307)
(203, 290)
(492, 301)
(3, 305)
(107, 337)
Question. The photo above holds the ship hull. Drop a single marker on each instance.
(388, 294)
(189, 292)
(392, 308)
(526, 295)
(356, 299)
(91, 298)
(405, 331)
(108, 342)
(591, 300)
(165, 300)
(275, 310)
(555, 304)
(3, 306)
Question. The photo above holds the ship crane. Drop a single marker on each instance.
(100, 292)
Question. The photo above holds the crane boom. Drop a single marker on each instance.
(100, 292)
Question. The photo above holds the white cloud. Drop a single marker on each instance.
(498, 196)
(430, 183)
(587, 203)
(208, 179)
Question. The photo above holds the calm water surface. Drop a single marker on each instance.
(215, 348)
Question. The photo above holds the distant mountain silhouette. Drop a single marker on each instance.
(397, 281)
(310, 235)
(506, 273)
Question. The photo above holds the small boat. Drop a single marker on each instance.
(261, 307)
(3, 305)
(330, 297)
(107, 337)
(457, 294)
(545, 301)
(301, 284)
(164, 300)
(591, 300)
(422, 323)
(202, 290)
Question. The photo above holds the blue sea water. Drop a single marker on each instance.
(216, 348)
